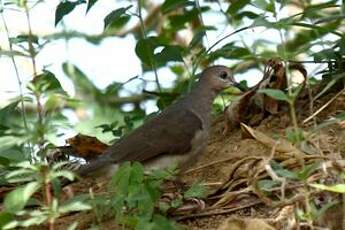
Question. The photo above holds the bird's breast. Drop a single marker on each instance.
(182, 161)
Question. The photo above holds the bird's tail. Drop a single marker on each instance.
(95, 167)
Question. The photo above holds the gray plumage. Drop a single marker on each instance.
(177, 135)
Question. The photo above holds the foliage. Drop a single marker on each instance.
(32, 178)
(135, 197)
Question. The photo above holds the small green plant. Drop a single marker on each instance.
(24, 207)
(135, 196)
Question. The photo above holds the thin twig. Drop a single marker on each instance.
(208, 165)
(143, 31)
(32, 53)
(19, 82)
(324, 106)
(217, 212)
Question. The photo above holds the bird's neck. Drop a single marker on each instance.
(202, 97)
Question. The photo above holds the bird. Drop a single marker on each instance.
(178, 135)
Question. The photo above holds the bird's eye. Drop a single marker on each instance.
(223, 75)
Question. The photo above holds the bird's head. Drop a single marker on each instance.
(218, 78)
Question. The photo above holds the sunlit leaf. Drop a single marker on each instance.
(264, 5)
(195, 191)
(16, 200)
(276, 94)
(46, 82)
(12, 53)
(338, 188)
(76, 204)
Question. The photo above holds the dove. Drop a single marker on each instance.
(178, 135)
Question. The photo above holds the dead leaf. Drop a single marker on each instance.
(86, 147)
(280, 145)
(253, 107)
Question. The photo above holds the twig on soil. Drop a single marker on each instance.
(208, 165)
(323, 107)
(272, 174)
(217, 212)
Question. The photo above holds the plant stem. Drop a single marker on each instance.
(288, 81)
(143, 31)
(47, 187)
(32, 53)
(19, 81)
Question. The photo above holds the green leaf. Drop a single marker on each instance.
(20, 175)
(84, 86)
(170, 5)
(16, 200)
(276, 94)
(280, 171)
(199, 35)
(179, 21)
(338, 188)
(12, 53)
(5, 218)
(114, 16)
(6, 111)
(46, 82)
(308, 170)
(235, 6)
(248, 14)
(326, 54)
(74, 206)
(294, 136)
(229, 51)
(195, 191)
(169, 53)
(24, 38)
(90, 4)
(4, 161)
(162, 222)
(120, 180)
(62, 173)
(64, 8)
(268, 185)
(137, 173)
(145, 49)
(264, 5)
